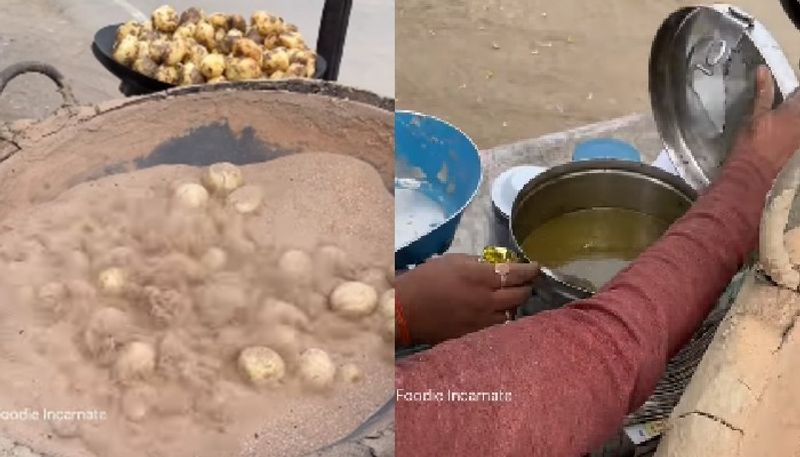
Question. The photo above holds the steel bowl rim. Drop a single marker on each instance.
(586, 167)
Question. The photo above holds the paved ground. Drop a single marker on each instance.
(60, 32)
(506, 70)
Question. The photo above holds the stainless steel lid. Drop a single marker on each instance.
(702, 83)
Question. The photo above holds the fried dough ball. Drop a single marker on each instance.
(191, 16)
(196, 53)
(275, 60)
(238, 22)
(147, 34)
(158, 50)
(261, 365)
(165, 19)
(316, 368)
(246, 199)
(246, 47)
(291, 27)
(190, 75)
(223, 178)
(242, 69)
(272, 42)
(252, 33)
(267, 24)
(218, 21)
(204, 34)
(168, 74)
(185, 31)
(226, 44)
(297, 70)
(126, 50)
(277, 75)
(305, 57)
(137, 361)
(296, 265)
(292, 40)
(354, 299)
(130, 28)
(212, 66)
(145, 65)
(176, 51)
(112, 281)
(191, 195)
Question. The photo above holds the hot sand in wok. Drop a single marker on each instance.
(127, 306)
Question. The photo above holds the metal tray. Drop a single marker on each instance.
(134, 82)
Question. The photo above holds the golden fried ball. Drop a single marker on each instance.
(132, 28)
(191, 16)
(292, 40)
(196, 53)
(204, 34)
(218, 21)
(277, 75)
(126, 50)
(275, 60)
(268, 24)
(237, 22)
(252, 33)
(185, 31)
(168, 74)
(159, 50)
(225, 45)
(242, 69)
(165, 19)
(212, 66)
(245, 47)
(176, 51)
(272, 42)
(145, 65)
(261, 365)
(190, 74)
(297, 70)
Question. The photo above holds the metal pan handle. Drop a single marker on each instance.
(51, 72)
(332, 34)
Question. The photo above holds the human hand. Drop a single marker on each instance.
(454, 294)
(772, 134)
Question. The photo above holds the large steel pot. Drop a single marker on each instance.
(592, 184)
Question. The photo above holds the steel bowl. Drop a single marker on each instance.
(592, 184)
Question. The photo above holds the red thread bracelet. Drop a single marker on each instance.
(403, 334)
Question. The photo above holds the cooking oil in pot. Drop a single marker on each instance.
(588, 247)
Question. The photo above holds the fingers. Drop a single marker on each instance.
(765, 91)
(510, 297)
(519, 274)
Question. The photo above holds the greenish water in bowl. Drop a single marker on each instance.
(587, 248)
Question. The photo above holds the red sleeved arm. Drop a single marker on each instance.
(574, 373)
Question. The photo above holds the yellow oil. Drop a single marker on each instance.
(589, 247)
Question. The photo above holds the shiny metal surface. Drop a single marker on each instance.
(702, 74)
(593, 184)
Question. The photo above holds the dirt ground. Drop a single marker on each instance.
(505, 70)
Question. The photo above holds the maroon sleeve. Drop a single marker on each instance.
(569, 376)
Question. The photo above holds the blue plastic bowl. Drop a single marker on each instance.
(447, 168)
